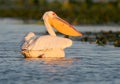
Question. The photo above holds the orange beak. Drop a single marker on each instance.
(63, 27)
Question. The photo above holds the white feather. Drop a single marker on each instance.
(50, 42)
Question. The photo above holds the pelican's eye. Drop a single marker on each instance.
(53, 14)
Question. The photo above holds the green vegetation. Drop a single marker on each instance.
(77, 13)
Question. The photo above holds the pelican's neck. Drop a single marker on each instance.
(49, 28)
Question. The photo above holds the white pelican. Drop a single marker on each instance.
(49, 46)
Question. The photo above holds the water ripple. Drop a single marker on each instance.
(84, 63)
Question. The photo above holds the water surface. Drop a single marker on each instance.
(84, 63)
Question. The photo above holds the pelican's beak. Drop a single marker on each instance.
(63, 27)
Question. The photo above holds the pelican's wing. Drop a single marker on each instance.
(64, 27)
(49, 42)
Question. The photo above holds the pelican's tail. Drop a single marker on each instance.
(29, 36)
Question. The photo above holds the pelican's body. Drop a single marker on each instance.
(49, 45)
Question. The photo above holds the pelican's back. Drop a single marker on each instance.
(49, 42)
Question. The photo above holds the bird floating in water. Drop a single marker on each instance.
(49, 46)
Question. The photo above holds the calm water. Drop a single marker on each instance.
(84, 63)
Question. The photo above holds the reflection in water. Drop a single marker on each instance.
(54, 61)
(53, 65)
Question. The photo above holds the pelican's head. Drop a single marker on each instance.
(59, 24)
(49, 14)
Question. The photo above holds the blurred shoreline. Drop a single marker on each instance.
(9, 20)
